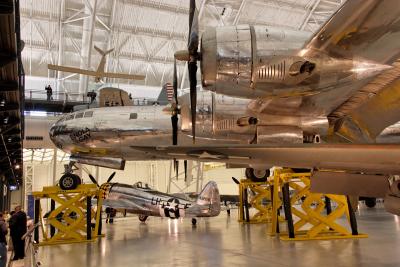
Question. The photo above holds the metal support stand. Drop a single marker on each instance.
(309, 210)
(52, 207)
(352, 218)
(36, 220)
(88, 218)
(288, 209)
(260, 201)
(71, 220)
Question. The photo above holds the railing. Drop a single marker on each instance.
(34, 94)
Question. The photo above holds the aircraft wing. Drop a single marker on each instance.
(369, 29)
(123, 76)
(72, 70)
(95, 73)
(382, 159)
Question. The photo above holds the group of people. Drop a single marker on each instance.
(16, 221)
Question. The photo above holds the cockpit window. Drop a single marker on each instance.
(133, 116)
(61, 120)
(141, 185)
(88, 114)
(79, 115)
(70, 117)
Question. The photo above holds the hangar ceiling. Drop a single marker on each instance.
(144, 33)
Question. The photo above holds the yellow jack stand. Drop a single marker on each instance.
(315, 210)
(261, 201)
(71, 215)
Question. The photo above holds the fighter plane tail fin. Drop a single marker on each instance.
(209, 196)
(166, 94)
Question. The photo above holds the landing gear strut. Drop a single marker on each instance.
(143, 218)
(257, 175)
(370, 202)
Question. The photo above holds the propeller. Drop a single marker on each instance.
(174, 117)
(235, 180)
(96, 183)
(175, 109)
(93, 180)
(192, 56)
(111, 177)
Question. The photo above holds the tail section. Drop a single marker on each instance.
(209, 197)
(166, 94)
(103, 54)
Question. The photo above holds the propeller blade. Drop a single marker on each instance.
(111, 177)
(174, 117)
(235, 180)
(93, 180)
(185, 168)
(192, 66)
(175, 84)
(176, 167)
(193, 39)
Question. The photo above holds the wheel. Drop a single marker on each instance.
(194, 221)
(257, 175)
(370, 202)
(143, 218)
(69, 181)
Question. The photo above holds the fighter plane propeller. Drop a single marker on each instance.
(96, 183)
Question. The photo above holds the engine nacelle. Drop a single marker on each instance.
(263, 61)
(234, 58)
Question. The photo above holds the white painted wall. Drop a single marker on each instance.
(155, 173)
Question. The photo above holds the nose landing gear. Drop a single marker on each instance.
(69, 181)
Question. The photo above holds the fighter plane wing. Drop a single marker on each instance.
(95, 73)
(123, 76)
(368, 29)
(382, 159)
(72, 70)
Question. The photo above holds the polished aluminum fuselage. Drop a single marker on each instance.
(140, 199)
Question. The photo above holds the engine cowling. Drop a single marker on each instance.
(264, 61)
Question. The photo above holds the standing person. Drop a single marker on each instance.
(49, 92)
(17, 230)
(112, 215)
(3, 241)
(108, 214)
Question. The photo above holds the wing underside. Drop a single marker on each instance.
(382, 159)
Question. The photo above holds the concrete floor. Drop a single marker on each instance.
(222, 241)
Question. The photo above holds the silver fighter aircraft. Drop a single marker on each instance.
(142, 200)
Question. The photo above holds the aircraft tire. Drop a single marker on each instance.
(143, 218)
(370, 202)
(257, 175)
(69, 181)
(194, 221)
